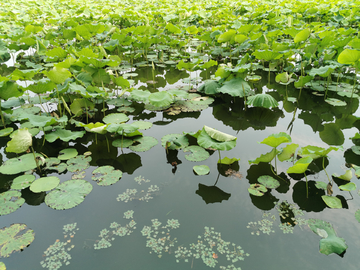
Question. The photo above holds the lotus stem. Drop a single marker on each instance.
(307, 188)
(36, 161)
(323, 164)
(59, 104)
(107, 142)
(219, 157)
(2, 116)
(217, 179)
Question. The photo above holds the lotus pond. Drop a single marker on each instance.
(179, 134)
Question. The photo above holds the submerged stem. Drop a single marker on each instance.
(307, 188)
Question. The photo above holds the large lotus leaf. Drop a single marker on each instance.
(201, 169)
(6, 131)
(42, 86)
(67, 153)
(42, 120)
(68, 194)
(55, 164)
(335, 102)
(332, 202)
(19, 164)
(174, 141)
(144, 143)
(205, 141)
(346, 176)
(268, 181)
(106, 175)
(332, 134)
(301, 165)
(9, 89)
(44, 184)
(78, 106)
(302, 35)
(23, 113)
(78, 163)
(64, 135)
(198, 153)
(300, 83)
(349, 57)
(257, 190)
(324, 71)
(98, 127)
(267, 55)
(288, 152)
(22, 181)
(140, 95)
(330, 243)
(20, 142)
(209, 88)
(10, 201)
(236, 87)
(143, 125)
(274, 140)
(122, 128)
(115, 118)
(58, 75)
(315, 151)
(2, 266)
(15, 238)
(348, 187)
(218, 135)
(122, 143)
(160, 99)
(262, 100)
(265, 157)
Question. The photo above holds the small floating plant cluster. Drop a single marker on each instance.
(134, 194)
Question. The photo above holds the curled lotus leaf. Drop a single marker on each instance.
(346, 176)
(67, 153)
(201, 169)
(99, 128)
(6, 131)
(140, 95)
(257, 190)
(262, 100)
(68, 194)
(15, 238)
(143, 144)
(44, 184)
(265, 157)
(348, 187)
(174, 141)
(22, 181)
(78, 163)
(301, 165)
(268, 181)
(19, 164)
(274, 140)
(20, 142)
(10, 201)
(218, 135)
(106, 175)
(198, 153)
(206, 141)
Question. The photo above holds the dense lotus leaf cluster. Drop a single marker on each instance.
(159, 238)
(57, 254)
(134, 194)
(211, 248)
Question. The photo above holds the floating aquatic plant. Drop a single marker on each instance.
(57, 254)
(133, 194)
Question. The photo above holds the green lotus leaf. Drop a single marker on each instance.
(284, 78)
(192, 30)
(22, 181)
(19, 164)
(300, 83)
(346, 176)
(67, 153)
(201, 169)
(330, 243)
(228, 161)
(140, 95)
(315, 151)
(335, 102)
(122, 128)
(267, 55)
(20, 142)
(209, 88)
(115, 118)
(2, 266)
(58, 75)
(348, 187)
(44, 184)
(198, 153)
(23, 113)
(79, 106)
(357, 215)
(349, 57)
(174, 141)
(78, 163)
(41, 120)
(15, 238)
(42, 86)
(122, 143)
(10, 201)
(262, 100)
(98, 127)
(321, 185)
(218, 135)
(9, 89)
(356, 149)
(143, 144)
(172, 28)
(227, 36)
(206, 141)
(324, 71)
(301, 165)
(240, 38)
(25, 74)
(268, 181)
(64, 135)
(54, 164)
(68, 194)
(236, 87)
(302, 35)
(6, 131)
(257, 190)
(119, 101)
(143, 125)
(274, 140)
(288, 152)
(187, 65)
(160, 99)
(106, 175)
(332, 134)
(265, 157)
(332, 202)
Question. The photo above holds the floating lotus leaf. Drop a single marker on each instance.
(257, 190)
(330, 244)
(78, 163)
(119, 101)
(107, 177)
(115, 118)
(174, 141)
(268, 181)
(54, 164)
(346, 176)
(2, 266)
(41, 120)
(64, 135)
(324, 71)
(300, 166)
(44, 184)
(236, 87)
(348, 187)
(321, 185)
(68, 194)
(160, 99)
(10, 201)
(19, 164)
(140, 95)
(142, 124)
(357, 215)
(332, 202)
(288, 152)
(201, 169)
(332, 134)
(6, 131)
(122, 143)
(144, 143)
(206, 141)
(274, 140)
(335, 102)
(67, 153)
(20, 142)
(15, 238)
(151, 107)
(265, 157)
(198, 153)
(122, 128)
(187, 106)
(356, 149)
(228, 161)
(22, 181)
(262, 100)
